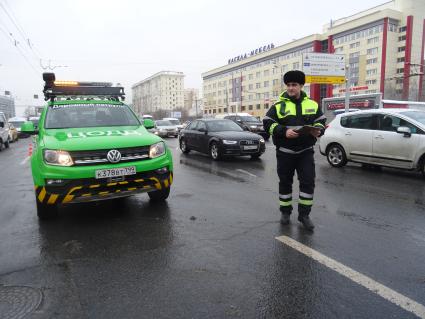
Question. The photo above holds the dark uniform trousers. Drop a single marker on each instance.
(303, 164)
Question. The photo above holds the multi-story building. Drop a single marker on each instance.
(7, 106)
(162, 91)
(191, 97)
(383, 46)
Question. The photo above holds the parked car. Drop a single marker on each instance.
(13, 133)
(34, 120)
(219, 138)
(341, 111)
(4, 131)
(382, 137)
(17, 123)
(249, 123)
(174, 121)
(166, 128)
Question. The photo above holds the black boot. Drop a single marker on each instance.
(285, 218)
(286, 213)
(306, 221)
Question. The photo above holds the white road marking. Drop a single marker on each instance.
(245, 172)
(25, 160)
(374, 286)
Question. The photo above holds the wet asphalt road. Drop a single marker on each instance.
(211, 250)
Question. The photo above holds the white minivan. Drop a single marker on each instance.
(382, 137)
(4, 131)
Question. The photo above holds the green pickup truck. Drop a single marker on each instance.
(90, 146)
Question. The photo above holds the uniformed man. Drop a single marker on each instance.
(295, 122)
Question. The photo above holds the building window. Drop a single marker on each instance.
(402, 29)
(225, 110)
(257, 75)
(354, 55)
(266, 84)
(266, 106)
(400, 59)
(402, 38)
(258, 85)
(372, 51)
(372, 61)
(354, 45)
(275, 82)
(266, 72)
(339, 49)
(295, 66)
(371, 71)
(258, 96)
(250, 76)
(400, 70)
(250, 107)
(373, 40)
(371, 82)
(401, 49)
(258, 107)
(399, 81)
(243, 108)
(251, 86)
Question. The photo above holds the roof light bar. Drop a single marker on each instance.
(53, 89)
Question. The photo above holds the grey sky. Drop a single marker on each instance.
(127, 41)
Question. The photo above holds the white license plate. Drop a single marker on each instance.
(114, 172)
(250, 147)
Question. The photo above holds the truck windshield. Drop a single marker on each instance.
(89, 115)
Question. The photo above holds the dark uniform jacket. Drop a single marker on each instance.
(290, 113)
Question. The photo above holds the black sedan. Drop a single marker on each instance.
(219, 138)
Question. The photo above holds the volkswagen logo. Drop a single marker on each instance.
(114, 156)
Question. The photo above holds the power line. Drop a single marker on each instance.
(18, 27)
(15, 43)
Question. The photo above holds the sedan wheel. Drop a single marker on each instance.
(183, 146)
(336, 156)
(214, 152)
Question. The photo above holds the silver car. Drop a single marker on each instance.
(382, 137)
(166, 128)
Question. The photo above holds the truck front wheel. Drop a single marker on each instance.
(45, 212)
(159, 195)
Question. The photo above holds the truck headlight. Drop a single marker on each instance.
(157, 150)
(229, 142)
(60, 158)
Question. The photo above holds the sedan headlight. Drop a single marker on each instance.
(262, 140)
(229, 142)
(60, 158)
(253, 126)
(157, 150)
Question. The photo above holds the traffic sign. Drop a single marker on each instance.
(325, 79)
(324, 68)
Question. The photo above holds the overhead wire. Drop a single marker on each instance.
(15, 43)
(18, 27)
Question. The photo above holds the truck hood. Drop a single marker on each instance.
(95, 138)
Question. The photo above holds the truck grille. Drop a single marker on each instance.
(83, 158)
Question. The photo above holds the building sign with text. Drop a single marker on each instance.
(252, 53)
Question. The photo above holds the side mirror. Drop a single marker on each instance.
(28, 127)
(404, 130)
(203, 130)
(148, 123)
